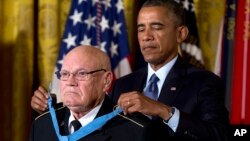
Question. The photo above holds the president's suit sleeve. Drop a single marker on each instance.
(207, 118)
(132, 82)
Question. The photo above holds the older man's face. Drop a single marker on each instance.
(82, 95)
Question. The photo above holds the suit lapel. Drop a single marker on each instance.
(107, 107)
(136, 80)
(63, 124)
(141, 80)
(173, 83)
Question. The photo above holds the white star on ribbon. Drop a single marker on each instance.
(192, 9)
(107, 4)
(116, 28)
(90, 21)
(94, 2)
(103, 44)
(70, 40)
(104, 24)
(61, 61)
(113, 49)
(86, 40)
(119, 6)
(186, 4)
(80, 1)
(76, 17)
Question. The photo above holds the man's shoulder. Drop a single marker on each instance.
(134, 75)
(133, 121)
(193, 71)
(201, 73)
(136, 125)
(137, 119)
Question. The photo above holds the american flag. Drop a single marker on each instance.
(191, 49)
(100, 23)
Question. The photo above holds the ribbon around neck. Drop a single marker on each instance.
(83, 131)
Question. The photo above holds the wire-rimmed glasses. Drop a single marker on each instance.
(80, 75)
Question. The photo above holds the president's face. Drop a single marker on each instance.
(157, 35)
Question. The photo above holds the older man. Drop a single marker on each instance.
(183, 98)
(85, 77)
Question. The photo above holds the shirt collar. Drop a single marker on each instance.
(86, 118)
(163, 71)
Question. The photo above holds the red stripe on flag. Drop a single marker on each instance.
(246, 77)
(237, 65)
(240, 113)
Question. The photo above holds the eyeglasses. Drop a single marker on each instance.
(79, 75)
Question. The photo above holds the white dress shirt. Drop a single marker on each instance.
(86, 119)
(162, 74)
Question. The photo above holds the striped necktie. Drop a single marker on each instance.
(152, 88)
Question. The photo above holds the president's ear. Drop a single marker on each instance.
(182, 33)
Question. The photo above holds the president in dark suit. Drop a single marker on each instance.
(188, 100)
(195, 93)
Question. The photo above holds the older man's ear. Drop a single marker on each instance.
(108, 81)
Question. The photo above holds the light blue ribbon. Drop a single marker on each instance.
(83, 131)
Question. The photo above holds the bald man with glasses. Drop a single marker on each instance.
(87, 113)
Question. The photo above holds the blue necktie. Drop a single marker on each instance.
(152, 89)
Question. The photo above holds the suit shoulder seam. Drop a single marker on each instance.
(131, 120)
(48, 112)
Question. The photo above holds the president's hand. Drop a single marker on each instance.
(134, 101)
(39, 101)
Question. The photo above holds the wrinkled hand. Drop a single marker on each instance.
(39, 101)
(136, 102)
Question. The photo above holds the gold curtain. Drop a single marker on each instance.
(48, 39)
(129, 15)
(51, 16)
(16, 71)
(29, 42)
(51, 21)
(210, 16)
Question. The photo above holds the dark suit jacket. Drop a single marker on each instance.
(198, 94)
(117, 129)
